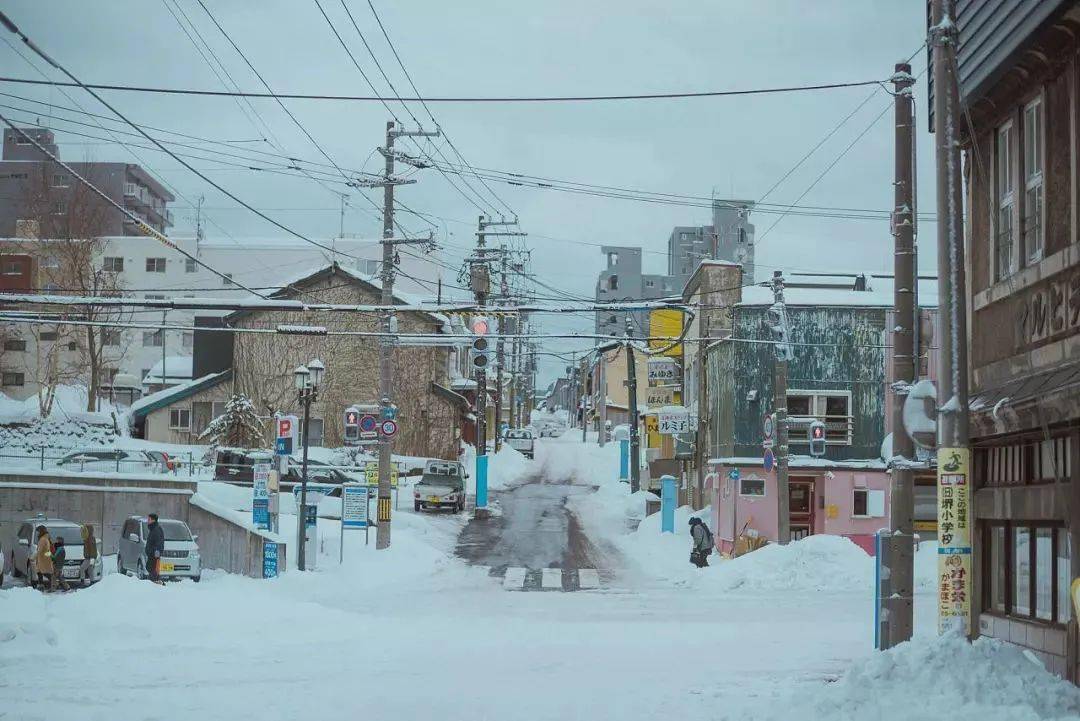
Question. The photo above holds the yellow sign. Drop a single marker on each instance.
(652, 431)
(1076, 596)
(832, 511)
(371, 474)
(666, 323)
(954, 539)
(928, 526)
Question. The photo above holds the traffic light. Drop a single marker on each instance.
(480, 350)
(817, 439)
(352, 424)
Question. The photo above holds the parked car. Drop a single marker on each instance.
(441, 486)
(22, 555)
(237, 465)
(116, 459)
(179, 560)
(552, 431)
(2, 564)
(521, 440)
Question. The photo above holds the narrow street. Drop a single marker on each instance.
(534, 542)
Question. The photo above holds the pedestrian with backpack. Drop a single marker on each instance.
(703, 542)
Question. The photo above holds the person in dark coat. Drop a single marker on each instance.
(155, 546)
(59, 556)
(703, 543)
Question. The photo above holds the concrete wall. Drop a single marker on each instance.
(224, 542)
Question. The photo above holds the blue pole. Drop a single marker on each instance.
(624, 460)
(877, 590)
(481, 481)
(667, 504)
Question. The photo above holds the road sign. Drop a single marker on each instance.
(371, 474)
(282, 446)
(663, 369)
(770, 460)
(768, 443)
(768, 425)
(354, 506)
(388, 428)
(285, 428)
(368, 421)
(733, 474)
(673, 419)
(389, 412)
(270, 559)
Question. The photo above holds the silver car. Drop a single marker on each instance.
(22, 555)
(179, 560)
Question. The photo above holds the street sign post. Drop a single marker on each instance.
(270, 559)
(388, 428)
(663, 369)
(286, 427)
(671, 420)
(354, 512)
(260, 502)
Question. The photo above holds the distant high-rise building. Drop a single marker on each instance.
(622, 280)
(730, 237)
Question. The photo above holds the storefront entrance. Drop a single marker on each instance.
(801, 507)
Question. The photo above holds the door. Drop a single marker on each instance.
(801, 507)
(21, 553)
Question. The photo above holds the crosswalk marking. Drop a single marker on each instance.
(588, 578)
(514, 580)
(551, 579)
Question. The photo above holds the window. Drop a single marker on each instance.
(1027, 571)
(1032, 231)
(110, 336)
(867, 503)
(1044, 573)
(833, 408)
(180, 419)
(73, 346)
(1003, 240)
(13, 379)
(226, 279)
(217, 409)
(1063, 554)
(187, 339)
(751, 487)
(113, 265)
(154, 296)
(50, 261)
(613, 282)
(155, 265)
(612, 259)
(1021, 572)
(61, 180)
(58, 207)
(152, 339)
(998, 559)
(47, 335)
(14, 344)
(190, 266)
(13, 267)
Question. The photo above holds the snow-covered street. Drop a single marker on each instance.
(418, 633)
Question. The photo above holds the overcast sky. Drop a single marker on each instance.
(734, 146)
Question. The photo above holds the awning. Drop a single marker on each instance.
(1028, 402)
(455, 399)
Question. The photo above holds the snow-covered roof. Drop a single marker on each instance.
(162, 398)
(177, 368)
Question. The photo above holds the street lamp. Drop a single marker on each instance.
(307, 378)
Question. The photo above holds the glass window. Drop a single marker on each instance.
(50, 261)
(1033, 180)
(190, 266)
(997, 568)
(61, 180)
(180, 419)
(58, 207)
(1064, 575)
(226, 279)
(13, 267)
(315, 432)
(860, 502)
(14, 344)
(613, 282)
(1003, 265)
(113, 265)
(798, 406)
(751, 487)
(152, 339)
(110, 336)
(1044, 573)
(13, 379)
(155, 265)
(47, 335)
(1021, 572)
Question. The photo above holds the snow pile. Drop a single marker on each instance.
(505, 469)
(567, 458)
(816, 563)
(937, 677)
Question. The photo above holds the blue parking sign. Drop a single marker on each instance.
(283, 446)
(270, 560)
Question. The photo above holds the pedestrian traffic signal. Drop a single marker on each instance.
(352, 424)
(817, 439)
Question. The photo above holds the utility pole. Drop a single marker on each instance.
(953, 437)
(386, 342)
(500, 355)
(631, 385)
(584, 397)
(901, 555)
(778, 316)
(602, 398)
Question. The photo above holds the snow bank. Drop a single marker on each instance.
(816, 563)
(937, 677)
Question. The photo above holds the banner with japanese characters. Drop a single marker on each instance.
(954, 539)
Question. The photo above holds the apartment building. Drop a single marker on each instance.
(622, 280)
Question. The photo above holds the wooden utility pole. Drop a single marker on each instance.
(901, 556)
(602, 398)
(389, 325)
(631, 385)
(782, 354)
(953, 436)
(500, 354)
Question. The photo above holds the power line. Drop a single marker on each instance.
(447, 99)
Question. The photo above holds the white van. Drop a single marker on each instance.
(180, 558)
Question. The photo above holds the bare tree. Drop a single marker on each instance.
(70, 222)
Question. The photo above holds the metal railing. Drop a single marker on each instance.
(188, 465)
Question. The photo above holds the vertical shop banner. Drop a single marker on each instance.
(954, 539)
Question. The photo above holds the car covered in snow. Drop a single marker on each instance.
(22, 555)
(117, 460)
(441, 486)
(521, 440)
(179, 560)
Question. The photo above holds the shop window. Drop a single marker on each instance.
(867, 503)
(752, 487)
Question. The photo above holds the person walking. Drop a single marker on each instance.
(703, 542)
(59, 557)
(90, 553)
(155, 546)
(43, 563)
